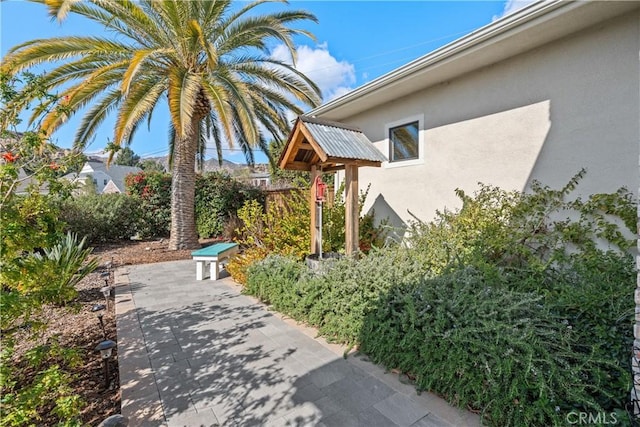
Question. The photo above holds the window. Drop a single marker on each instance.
(404, 142)
(105, 182)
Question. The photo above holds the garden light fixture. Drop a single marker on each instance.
(97, 309)
(106, 348)
(106, 291)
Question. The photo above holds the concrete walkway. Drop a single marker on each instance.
(198, 353)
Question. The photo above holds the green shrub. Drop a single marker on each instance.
(49, 371)
(284, 229)
(491, 348)
(275, 280)
(34, 279)
(240, 263)
(218, 198)
(527, 232)
(333, 225)
(518, 305)
(153, 191)
(103, 218)
(336, 300)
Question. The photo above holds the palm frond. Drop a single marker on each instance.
(35, 52)
(139, 102)
(183, 92)
(95, 117)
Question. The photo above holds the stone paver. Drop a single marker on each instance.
(199, 353)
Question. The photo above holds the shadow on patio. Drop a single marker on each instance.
(206, 355)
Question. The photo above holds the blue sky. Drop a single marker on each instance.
(356, 42)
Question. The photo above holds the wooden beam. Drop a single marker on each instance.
(312, 210)
(352, 212)
(291, 143)
(318, 150)
(333, 168)
(298, 166)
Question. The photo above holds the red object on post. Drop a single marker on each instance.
(321, 188)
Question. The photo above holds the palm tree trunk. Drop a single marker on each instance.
(183, 183)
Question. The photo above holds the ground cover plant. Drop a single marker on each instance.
(518, 306)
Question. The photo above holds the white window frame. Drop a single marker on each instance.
(387, 142)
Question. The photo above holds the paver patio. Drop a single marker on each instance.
(198, 353)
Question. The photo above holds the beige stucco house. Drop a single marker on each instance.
(538, 94)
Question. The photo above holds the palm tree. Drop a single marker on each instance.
(211, 62)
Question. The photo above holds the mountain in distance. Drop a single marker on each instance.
(210, 165)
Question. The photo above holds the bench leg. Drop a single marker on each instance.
(200, 270)
(215, 269)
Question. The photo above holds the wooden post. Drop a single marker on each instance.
(352, 214)
(312, 210)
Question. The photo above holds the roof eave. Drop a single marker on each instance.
(455, 51)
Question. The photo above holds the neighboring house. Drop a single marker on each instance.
(26, 181)
(538, 94)
(107, 179)
(260, 179)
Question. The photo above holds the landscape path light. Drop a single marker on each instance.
(106, 291)
(106, 348)
(97, 309)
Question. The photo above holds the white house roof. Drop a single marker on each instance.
(532, 26)
(116, 173)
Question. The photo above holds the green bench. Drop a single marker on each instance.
(214, 255)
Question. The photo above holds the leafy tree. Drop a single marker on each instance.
(126, 157)
(150, 165)
(209, 61)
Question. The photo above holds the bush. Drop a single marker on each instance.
(335, 301)
(239, 264)
(153, 191)
(103, 218)
(505, 305)
(284, 230)
(218, 198)
(501, 351)
(49, 371)
(333, 227)
(38, 266)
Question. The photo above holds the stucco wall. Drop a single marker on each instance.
(542, 115)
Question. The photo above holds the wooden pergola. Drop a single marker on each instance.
(320, 146)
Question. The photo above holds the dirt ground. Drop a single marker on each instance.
(77, 326)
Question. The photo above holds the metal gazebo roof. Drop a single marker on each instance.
(328, 145)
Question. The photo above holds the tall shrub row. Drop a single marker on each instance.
(103, 218)
(218, 198)
(146, 208)
(517, 305)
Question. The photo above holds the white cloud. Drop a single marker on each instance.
(511, 6)
(334, 77)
